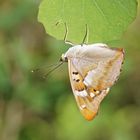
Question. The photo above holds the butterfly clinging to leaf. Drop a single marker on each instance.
(93, 70)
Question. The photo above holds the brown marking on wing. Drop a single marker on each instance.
(101, 84)
(93, 91)
(79, 85)
(87, 113)
(90, 89)
(88, 106)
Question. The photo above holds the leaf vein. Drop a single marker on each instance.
(101, 11)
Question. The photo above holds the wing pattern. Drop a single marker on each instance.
(92, 72)
(87, 98)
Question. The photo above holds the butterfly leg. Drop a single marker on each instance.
(65, 36)
(85, 39)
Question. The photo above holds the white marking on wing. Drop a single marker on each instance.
(89, 78)
(107, 90)
(81, 93)
(92, 94)
(82, 106)
(97, 92)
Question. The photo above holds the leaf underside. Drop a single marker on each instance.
(106, 20)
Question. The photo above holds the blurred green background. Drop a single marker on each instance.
(33, 108)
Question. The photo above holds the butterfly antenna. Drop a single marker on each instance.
(58, 65)
(86, 36)
(42, 67)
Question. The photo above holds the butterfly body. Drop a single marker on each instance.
(93, 69)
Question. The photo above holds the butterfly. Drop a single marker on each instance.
(93, 70)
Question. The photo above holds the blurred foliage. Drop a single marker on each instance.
(33, 108)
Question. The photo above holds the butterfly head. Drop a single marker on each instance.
(63, 58)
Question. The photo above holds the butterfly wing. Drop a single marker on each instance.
(93, 70)
(100, 67)
(87, 98)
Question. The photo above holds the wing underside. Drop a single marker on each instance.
(88, 99)
(91, 77)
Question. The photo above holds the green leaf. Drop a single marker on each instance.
(106, 19)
